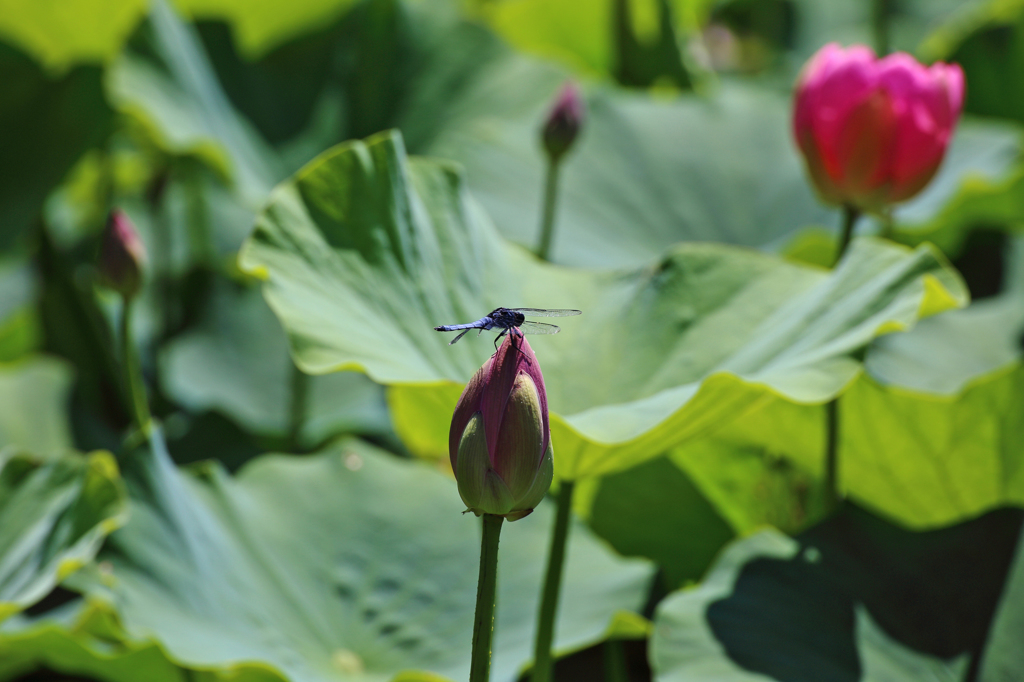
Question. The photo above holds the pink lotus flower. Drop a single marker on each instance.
(873, 131)
(500, 441)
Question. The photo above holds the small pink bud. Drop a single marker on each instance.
(564, 122)
(500, 442)
(122, 255)
(874, 131)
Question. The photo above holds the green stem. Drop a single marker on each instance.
(132, 369)
(547, 224)
(831, 455)
(297, 407)
(615, 669)
(552, 585)
(880, 13)
(850, 215)
(483, 624)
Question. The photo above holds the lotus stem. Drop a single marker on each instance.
(542, 659)
(483, 624)
(132, 369)
(547, 224)
(615, 669)
(850, 216)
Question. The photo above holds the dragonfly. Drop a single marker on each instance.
(508, 319)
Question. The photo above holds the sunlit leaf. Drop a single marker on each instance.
(364, 252)
(53, 517)
(83, 639)
(345, 565)
(927, 437)
(260, 25)
(61, 34)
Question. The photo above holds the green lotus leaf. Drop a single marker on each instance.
(345, 565)
(53, 518)
(852, 599)
(923, 459)
(365, 251)
(985, 39)
(1003, 657)
(981, 182)
(82, 639)
(174, 92)
(588, 35)
(34, 393)
(262, 25)
(927, 436)
(235, 360)
(646, 172)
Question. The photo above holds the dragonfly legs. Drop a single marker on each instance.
(513, 334)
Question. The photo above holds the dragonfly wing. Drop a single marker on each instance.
(544, 312)
(538, 328)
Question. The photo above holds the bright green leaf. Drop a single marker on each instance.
(261, 25)
(365, 251)
(62, 34)
(349, 564)
(85, 642)
(53, 517)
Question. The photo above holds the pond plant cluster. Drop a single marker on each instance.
(779, 434)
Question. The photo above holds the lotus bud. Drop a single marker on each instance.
(500, 442)
(563, 123)
(122, 255)
(874, 131)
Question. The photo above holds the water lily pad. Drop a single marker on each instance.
(346, 565)
(366, 250)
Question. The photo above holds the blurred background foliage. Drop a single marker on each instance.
(687, 401)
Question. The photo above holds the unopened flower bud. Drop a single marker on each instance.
(873, 131)
(564, 122)
(500, 441)
(122, 255)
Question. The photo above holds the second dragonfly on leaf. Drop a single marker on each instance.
(508, 319)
